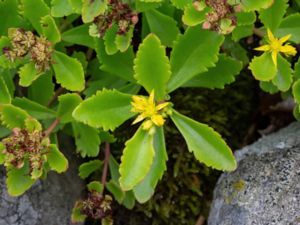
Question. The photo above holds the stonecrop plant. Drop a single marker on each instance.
(85, 67)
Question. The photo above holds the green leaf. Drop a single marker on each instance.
(207, 145)
(12, 116)
(34, 109)
(283, 78)
(76, 5)
(119, 64)
(192, 16)
(145, 189)
(68, 72)
(216, 77)
(2, 155)
(241, 32)
(5, 97)
(296, 91)
(91, 9)
(136, 160)
(296, 112)
(42, 89)
(152, 67)
(32, 124)
(95, 186)
(163, 26)
(116, 190)
(141, 6)
(123, 41)
(263, 67)
(28, 73)
(129, 200)
(152, 1)
(86, 169)
(272, 16)
(9, 15)
(34, 10)
(50, 29)
(251, 5)
(76, 215)
(181, 4)
(67, 104)
(297, 69)
(109, 40)
(245, 18)
(290, 25)
(107, 109)
(192, 54)
(268, 86)
(86, 139)
(18, 180)
(56, 159)
(61, 8)
(79, 35)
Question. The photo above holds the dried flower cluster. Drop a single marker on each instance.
(23, 145)
(117, 13)
(24, 43)
(221, 17)
(96, 206)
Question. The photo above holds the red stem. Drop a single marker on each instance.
(51, 127)
(105, 166)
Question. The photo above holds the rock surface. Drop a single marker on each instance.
(48, 202)
(265, 189)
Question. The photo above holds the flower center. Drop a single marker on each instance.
(275, 45)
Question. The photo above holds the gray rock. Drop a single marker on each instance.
(48, 202)
(265, 189)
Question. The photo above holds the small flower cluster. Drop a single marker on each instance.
(117, 13)
(221, 17)
(23, 145)
(96, 206)
(26, 43)
(149, 110)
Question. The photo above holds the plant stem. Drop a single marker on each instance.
(105, 166)
(200, 220)
(258, 32)
(51, 127)
(59, 91)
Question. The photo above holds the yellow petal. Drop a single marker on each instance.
(147, 125)
(151, 97)
(263, 48)
(138, 119)
(285, 38)
(161, 106)
(271, 36)
(158, 120)
(274, 57)
(288, 50)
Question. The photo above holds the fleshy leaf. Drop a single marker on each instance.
(9, 15)
(86, 139)
(50, 29)
(152, 67)
(180, 4)
(5, 97)
(91, 9)
(28, 73)
(206, 144)
(79, 35)
(109, 40)
(136, 160)
(216, 77)
(119, 64)
(61, 8)
(297, 69)
(34, 109)
(18, 180)
(56, 159)
(107, 109)
(116, 190)
(192, 16)
(263, 67)
(192, 54)
(86, 169)
(283, 78)
(163, 26)
(272, 16)
(251, 5)
(145, 189)
(68, 71)
(67, 104)
(290, 25)
(123, 41)
(245, 18)
(296, 91)
(34, 10)
(268, 86)
(95, 186)
(12, 116)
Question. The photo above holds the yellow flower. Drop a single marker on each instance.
(276, 45)
(149, 110)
